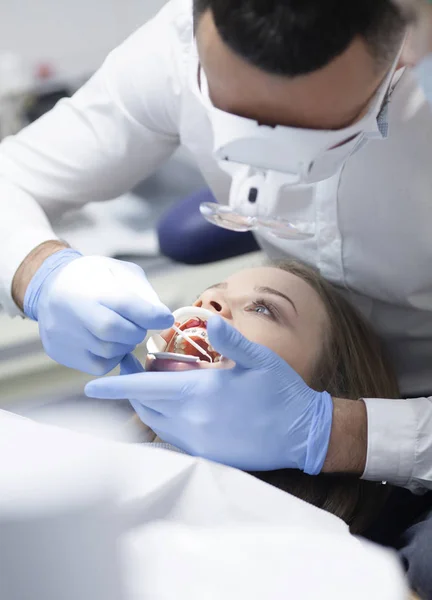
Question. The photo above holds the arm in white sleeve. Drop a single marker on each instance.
(113, 133)
(400, 442)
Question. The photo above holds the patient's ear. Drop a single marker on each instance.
(410, 55)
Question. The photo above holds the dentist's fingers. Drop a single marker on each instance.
(164, 392)
(108, 350)
(151, 386)
(230, 343)
(133, 386)
(130, 365)
(149, 417)
(106, 325)
(88, 362)
(141, 313)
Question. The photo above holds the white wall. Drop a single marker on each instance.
(74, 35)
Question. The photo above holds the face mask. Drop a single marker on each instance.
(263, 160)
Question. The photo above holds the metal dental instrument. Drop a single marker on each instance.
(185, 337)
(160, 360)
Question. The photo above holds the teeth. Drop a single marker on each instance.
(197, 332)
(181, 346)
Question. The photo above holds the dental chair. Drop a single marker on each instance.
(186, 237)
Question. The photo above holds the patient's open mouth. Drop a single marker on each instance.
(196, 329)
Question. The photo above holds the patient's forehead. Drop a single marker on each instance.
(268, 276)
(302, 294)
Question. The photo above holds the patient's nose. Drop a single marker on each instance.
(215, 301)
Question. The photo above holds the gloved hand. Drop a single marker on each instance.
(130, 365)
(258, 416)
(92, 311)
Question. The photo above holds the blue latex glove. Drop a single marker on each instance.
(131, 366)
(258, 416)
(92, 311)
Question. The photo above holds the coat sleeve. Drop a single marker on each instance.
(98, 144)
(400, 443)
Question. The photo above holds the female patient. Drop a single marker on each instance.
(293, 311)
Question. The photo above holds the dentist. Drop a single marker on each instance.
(329, 161)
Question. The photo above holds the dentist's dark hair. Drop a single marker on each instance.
(296, 37)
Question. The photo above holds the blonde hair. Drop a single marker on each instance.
(352, 365)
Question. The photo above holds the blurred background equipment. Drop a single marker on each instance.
(16, 85)
(49, 48)
(66, 41)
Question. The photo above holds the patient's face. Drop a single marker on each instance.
(276, 309)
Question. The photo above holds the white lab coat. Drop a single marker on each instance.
(373, 225)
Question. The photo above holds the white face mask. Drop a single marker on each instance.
(262, 160)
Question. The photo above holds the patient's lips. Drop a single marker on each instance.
(196, 329)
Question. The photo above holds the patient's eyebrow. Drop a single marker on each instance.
(273, 292)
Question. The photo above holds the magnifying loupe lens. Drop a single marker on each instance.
(283, 229)
(225, 217)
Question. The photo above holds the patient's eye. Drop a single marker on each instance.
(261, 307)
